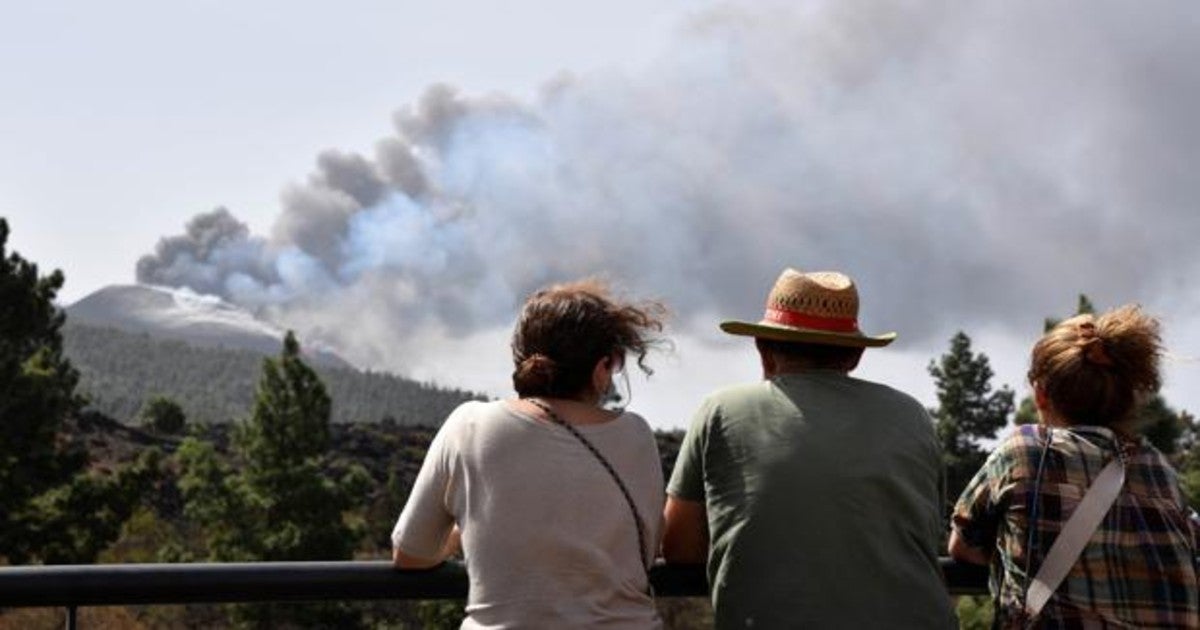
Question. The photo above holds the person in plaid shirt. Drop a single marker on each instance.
(1139, 569)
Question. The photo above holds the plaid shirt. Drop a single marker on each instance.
(1138, 570)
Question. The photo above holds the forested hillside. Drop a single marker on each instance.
(160, 529)
(120, 371)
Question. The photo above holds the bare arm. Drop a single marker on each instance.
(960, 550)
(685, 535)
(405, 561)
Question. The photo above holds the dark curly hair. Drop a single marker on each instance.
(564, 329)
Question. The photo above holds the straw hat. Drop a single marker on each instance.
(818, 307)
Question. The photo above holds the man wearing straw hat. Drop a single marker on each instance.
(814, 496)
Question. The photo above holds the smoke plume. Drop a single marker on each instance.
(968, 163)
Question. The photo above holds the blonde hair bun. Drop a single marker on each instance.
(1094, 369)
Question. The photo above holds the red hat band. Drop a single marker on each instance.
(813, 322)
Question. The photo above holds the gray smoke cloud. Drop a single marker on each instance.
(969, 163)
(214, 249)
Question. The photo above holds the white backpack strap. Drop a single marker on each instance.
(1074, 536)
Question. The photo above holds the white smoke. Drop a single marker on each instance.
(971, 164)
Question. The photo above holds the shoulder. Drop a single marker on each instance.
(900, 408)
(635, 423)
(472, 410)
(472, 414)
(1023, 437)
(1018, 454)
(1147, 452)
(1158, 470)
(886, 394)
(725, 406)
(735, 396)
(635, 431)
(721, 403)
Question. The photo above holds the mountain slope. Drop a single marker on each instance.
(200, 320)
(119, 370)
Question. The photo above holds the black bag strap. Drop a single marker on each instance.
(637, 519)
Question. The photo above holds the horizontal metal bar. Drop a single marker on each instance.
(129, 584)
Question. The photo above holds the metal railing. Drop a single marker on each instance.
(74, 586)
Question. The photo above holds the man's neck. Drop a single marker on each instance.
(800, 369)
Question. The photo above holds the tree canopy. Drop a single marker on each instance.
(53, 509)
(280, 505)
(163, 415)
(968, 410)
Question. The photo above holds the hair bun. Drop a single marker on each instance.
(1092, 345)
(1095, 368)
(1093, 350)
(535, 372)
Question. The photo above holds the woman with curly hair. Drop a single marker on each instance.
(1127, 554)
(557, 496)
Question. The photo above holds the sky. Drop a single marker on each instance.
(393, 178)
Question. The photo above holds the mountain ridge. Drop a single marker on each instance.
(133, 342)
(184, 315)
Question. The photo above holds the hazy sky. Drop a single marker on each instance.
(974, 166)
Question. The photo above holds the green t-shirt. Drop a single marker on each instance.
(823, 495)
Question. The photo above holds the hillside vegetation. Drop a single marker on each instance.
(120, 371)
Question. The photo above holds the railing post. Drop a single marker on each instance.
(72, 620)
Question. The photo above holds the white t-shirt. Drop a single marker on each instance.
(549, 539)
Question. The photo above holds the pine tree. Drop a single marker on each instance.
(1083, 306)
(1187, 460)
(37, 393)
(51, 510)
(968, 411)
(1027, 412)
(163, 415)
(281, 505)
